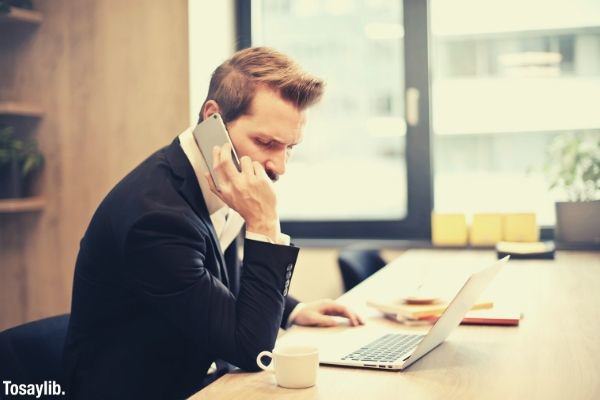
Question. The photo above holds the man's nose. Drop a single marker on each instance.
(277, 163)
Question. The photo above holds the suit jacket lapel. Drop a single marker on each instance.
(190, 190)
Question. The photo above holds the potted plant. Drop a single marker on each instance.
(19, 158)
(573, 167)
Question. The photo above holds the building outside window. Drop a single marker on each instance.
(504, 85)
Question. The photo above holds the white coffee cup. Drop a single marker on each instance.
(295, 367)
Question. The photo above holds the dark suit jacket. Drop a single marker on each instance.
(154, 303)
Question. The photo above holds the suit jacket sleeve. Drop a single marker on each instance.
(166, 256)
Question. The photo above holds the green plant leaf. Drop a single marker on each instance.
(573, 165)
(14, 149)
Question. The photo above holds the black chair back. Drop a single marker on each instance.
(356, 265)
(32, 353)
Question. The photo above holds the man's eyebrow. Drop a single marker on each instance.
(275, 139)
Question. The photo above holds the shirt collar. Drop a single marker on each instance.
(192, 152)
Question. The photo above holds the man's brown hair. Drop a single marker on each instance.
(234, 83)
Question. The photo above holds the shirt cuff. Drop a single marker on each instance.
(294, 312)
(282, 239)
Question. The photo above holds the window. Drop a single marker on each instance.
(503, 85)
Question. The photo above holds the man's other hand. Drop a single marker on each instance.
(320, 313)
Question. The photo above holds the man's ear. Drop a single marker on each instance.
(210, 107)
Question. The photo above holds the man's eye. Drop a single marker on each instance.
(264, 144)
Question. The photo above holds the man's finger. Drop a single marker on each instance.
(259, 170)
(323, 320)
(247, 167)
(211, 185)
(227, 162)
(216, 152)
(340, 310)
(353, 318)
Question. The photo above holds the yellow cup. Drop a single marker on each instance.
(520, 227)
(449, 229)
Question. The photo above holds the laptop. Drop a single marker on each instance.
(397, 351)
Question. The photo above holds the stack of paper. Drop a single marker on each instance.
(482, 313)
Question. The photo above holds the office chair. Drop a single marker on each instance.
(32, 353)
(356, 265)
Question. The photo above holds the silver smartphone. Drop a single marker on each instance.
(210, 133)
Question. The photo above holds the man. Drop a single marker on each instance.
(158, 291)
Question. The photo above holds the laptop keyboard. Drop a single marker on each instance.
(387, 348)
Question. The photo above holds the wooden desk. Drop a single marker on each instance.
(553, 354)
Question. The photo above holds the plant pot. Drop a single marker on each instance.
(11, 184)
(578, 222)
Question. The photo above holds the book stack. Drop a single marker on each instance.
(412, 311)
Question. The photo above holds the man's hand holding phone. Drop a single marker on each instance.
(249, 192)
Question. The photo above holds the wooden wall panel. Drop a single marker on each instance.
(112, 77)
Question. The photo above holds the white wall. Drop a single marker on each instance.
(211, 41)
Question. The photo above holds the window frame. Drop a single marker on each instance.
(419, 142)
